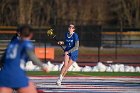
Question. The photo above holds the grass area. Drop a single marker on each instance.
(90, 54)
(86, 50)
(56, 73)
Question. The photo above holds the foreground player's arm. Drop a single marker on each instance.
(75, 47)
(34, 59)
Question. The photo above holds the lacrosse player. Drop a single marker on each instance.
(12, 76)
(71, 51)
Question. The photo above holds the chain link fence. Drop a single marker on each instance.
(97, 44)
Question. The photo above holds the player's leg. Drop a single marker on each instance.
(68, 66)
(73, 57)
(66, 59)
(6, 90)
(29, 89)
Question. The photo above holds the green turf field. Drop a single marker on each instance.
(56, 73)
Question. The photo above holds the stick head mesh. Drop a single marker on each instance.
(50, 32)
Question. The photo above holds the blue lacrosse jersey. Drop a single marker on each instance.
(24, 57)
(11, 74)
(27, 44)
(70, 43)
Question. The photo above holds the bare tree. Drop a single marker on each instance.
(127, 12)
(25, 9)
(61, 12)
(8, 12)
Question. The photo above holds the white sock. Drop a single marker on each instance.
(61, 77)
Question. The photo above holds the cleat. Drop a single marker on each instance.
(58, 83)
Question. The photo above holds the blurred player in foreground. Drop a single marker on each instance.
(16, 36)
(71, 51)
(12, 77)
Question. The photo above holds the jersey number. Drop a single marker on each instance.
(12, 52)
(69, 44)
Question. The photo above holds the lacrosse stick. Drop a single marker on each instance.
(50, 33)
